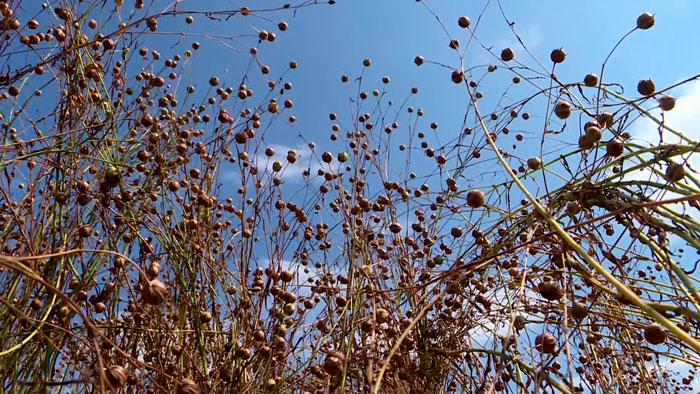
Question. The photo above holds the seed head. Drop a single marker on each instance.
(590, 80)
(475, 198)
(615, 147)
(579, 310)
(116, 376)
(655, 333)
(545, 343)
(646, 87)
(558, 55)
(667, 102)
(154, 292)
(457, 76)
(645, 21)
(187, 386)
(675, 172)
(534, 163)
(562, 109)
(593, 133)
(507, 54)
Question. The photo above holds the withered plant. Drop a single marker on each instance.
(410, 259)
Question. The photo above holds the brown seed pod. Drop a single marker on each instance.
(550, 290)
(334, 363)
(62, 13)
(557, 55)
(116, 376)
(323, 327)
(63, 311)
(153, 269)
(573, 208)
(382, 315)
(244, 353)
(395, 228)
(292, 156)
(187, 386)
(593, 133)
(645, 21)
(289, 309)
(341, 301)
(205, 316)
(507, 54)
(646, 87)
(519, 322)
(85, 231)
(675, 172)
(457, 76)
(562, 109)
(327, 157)
(590, 80)
(579, 310)
(286, 276)
(464, 22)
(534, 163)
(615, 147)
(655, 333)
(545, 343)
(272, 107)
(154, 292)
(418, 60)
(475, 198)
(667, 102)
(605, 119)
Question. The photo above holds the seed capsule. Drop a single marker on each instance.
(187, 386)
(154, 292)
(562, 110)
(558, 55)
(655, 333)
(615, 147)
(646, 86)
(534, 163)
(545, 343)
(667, 102)
(645, 21)
(475, 198)
(675, 172)
(116, 376)
(590, 80)
(507, 55)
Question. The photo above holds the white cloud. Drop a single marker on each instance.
(684, 117)
(290, 172)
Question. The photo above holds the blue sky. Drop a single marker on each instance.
(328, 41)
